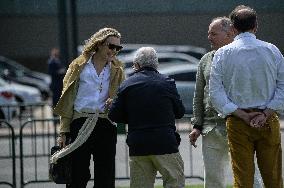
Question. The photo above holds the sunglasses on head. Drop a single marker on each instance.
(114, 47)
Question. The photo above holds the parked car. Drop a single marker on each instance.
(130, 48)
(22, 93)
(186, 92)
(180, 72)
(11, 64)
(13, 71)
(165, 59)
(8, 105)
(185, 77)
(194, 51)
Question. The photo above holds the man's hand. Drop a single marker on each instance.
(258, 121)
(246, 117)
(195, 133)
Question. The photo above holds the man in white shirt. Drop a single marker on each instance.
(247, 87)
(205, 119)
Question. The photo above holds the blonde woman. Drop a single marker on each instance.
(89, 86)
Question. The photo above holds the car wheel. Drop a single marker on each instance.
(20, 102)
(45, 95)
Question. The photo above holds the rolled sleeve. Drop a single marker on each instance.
(64, 124)
(228, 109)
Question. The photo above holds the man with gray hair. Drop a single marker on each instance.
(205, 119)
(149, 103)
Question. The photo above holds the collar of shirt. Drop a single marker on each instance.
(245, 34)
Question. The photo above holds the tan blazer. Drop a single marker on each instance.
(65, 105)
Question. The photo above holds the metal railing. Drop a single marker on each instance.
(24, 112)
(34, 153)
(10, 146)
(37, 136)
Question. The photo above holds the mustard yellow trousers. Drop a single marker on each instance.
(245, 141)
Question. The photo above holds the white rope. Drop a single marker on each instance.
(82, 137)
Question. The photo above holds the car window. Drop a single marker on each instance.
(185, 76)
(128, 64)
(7, 69)
(170, 60)
(2, 82)
(12, 65)
(3, 66)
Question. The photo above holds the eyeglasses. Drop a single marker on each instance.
(117, 48)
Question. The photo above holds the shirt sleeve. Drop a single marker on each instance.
(64, 124)
(277, 102)
(218, 96)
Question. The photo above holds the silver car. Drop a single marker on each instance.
(185, 77)
(23, 94)
(8, 105)
(164, 58)
(13, 71)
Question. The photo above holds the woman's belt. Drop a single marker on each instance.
(77, 115)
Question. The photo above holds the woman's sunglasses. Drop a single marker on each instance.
(117, 48)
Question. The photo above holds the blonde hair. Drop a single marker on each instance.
(99, 37)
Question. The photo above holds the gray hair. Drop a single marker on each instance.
(226, 23)
(146, 57)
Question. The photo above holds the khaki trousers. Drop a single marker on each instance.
(215, 155)
(244, 141)
(143, 170)
(215, 152)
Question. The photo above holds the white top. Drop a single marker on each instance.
(93, 89)
(248, 73)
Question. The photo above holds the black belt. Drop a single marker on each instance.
(253, 110)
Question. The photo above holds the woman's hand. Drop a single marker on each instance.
(108, 103)
(61, 140)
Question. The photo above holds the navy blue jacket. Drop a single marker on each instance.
(149, 103)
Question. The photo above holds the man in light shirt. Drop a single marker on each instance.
(247, 87)
(205, 120)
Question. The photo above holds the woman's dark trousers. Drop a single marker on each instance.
(102, 145)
